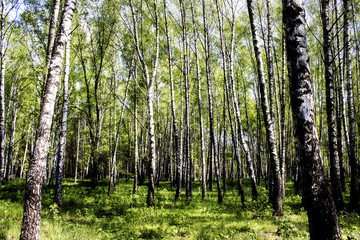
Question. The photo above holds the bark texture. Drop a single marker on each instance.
(269, 122)
(2, 91)
(30, 228)
(201, 122)
(330, 108)
(210, 99)
(323, 221)
(62, 141)
(354, 185)
(173, 107)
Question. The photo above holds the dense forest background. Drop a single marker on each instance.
(184, 92)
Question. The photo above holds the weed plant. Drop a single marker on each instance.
(92, 214)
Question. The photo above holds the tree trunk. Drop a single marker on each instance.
(354, 185)
(210, 99)
(150, 95)
(187, 134)
(32, 207)
(136, 147)
(269, 122)
(339, 104)
(55, 154)
(2, 91)
(173, 107)
(77, 150)
(202, 141)
(323, 221)
(283, 118)
(9, 170)
(330, 109)
(62, 141)
(112, 179)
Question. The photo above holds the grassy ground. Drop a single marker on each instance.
(90, 214)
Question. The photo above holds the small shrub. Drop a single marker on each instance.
(286, 229)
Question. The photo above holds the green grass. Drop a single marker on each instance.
(88, 214)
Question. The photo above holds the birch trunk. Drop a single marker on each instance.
(187, 146)
(77, 150)
(330, 109)
(2, 91)
(62, 141)
(150, 95)
(283, 119)
(354, 185)
(9, 170)
(173, 107)
(323, 221)
(210, 98)
(136, 147)
(32, 207)
(340, 106)
(269, 123)
(201, 122)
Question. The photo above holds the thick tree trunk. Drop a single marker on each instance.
(323, 221)
(269, 121)
(52, 31)
(330, 109)
(32, 207)
(62, 141)
(354, 185)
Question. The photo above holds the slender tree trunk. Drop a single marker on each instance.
(323, 221)
(269, 122)
(62, 141)
(340, 105)
(10, 163)
(187, 146)
(330, 109)
(354, 185)
(112, 179)
(136, 147)
(150, 95)
(25, 151)
(178, 160)
(202, 141)
(210, 99)
(32, 207)
(77, 150)
(2, 91)
(239, 121)
(55, 154)
(283, 119)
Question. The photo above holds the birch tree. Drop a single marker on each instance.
(323, 220)
(269, 121)
(30, 228)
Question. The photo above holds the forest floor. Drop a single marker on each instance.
(88, 214)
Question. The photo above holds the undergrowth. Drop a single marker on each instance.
(92, 214)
